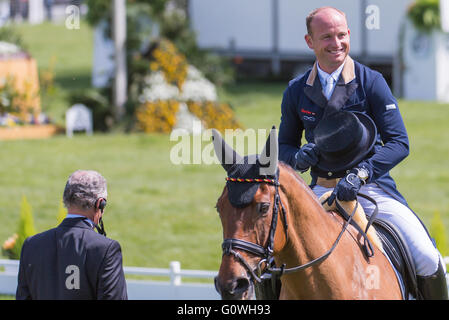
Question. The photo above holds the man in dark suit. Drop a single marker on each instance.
(337, 83)
(72, 261)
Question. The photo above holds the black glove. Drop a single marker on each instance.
(306, 157)
(347, 188)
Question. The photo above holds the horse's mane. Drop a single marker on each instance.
(295, 177)
(291, 171)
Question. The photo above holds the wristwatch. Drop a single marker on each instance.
(363, 174)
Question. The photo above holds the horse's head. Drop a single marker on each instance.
(246, 208)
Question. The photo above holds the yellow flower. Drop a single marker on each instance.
(154, 66)
(214, 115)
(172, 63)
(158, 116)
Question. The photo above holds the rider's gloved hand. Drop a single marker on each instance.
(348, 187)
(306, 157)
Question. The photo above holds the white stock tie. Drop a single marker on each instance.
(328, 88)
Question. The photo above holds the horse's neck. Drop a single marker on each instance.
(309, 224)
(311, 233)
(312, 230)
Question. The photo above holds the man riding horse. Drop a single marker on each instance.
(353, 160)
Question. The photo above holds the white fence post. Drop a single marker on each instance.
(175, 273)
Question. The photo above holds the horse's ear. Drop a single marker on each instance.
(225, 154)
(268, 159)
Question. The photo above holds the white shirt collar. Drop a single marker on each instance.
(324, 75)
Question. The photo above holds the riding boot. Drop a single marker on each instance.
(433, 287)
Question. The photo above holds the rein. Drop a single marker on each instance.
(325, 255)
(266, 254)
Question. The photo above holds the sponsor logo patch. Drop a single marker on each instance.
(309, 118)
(307, 112)
(390, 107)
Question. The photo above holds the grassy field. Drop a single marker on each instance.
(159, 211)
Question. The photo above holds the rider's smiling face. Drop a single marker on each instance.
(329, 39)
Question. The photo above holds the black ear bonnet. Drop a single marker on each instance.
(241, 194)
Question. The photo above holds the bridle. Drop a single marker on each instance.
(266, 253)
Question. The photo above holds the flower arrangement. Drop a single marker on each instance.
(14, 105)
(158, 89)
(214, 114)
(157, 116)
(8, 96)
(173, 81)
(172, 63)
(19, 88)
(197, 87)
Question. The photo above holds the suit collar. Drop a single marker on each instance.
(344, 87)
(72, 216)
(76, 223)
(315, 93)
(347, 74)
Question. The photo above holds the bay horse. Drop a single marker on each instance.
(315, 253)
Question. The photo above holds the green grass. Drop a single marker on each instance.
(71, 50)
(261, 102)
(423, 177)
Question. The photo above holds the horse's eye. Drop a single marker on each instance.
(263, 207)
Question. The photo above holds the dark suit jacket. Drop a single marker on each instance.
(71, 261)
(358, 89)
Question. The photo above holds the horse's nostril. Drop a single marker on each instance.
(241, 285)
(233, 289)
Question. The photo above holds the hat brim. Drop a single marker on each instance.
(351, 159)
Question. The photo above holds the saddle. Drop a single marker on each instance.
(397, 250)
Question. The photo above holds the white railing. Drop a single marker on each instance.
(139, 289)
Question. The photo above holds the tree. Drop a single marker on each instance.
(120, 74)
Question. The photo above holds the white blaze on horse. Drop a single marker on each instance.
(279, 241)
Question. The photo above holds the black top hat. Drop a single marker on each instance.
(343, 140)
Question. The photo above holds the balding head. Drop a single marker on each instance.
(323, 14)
